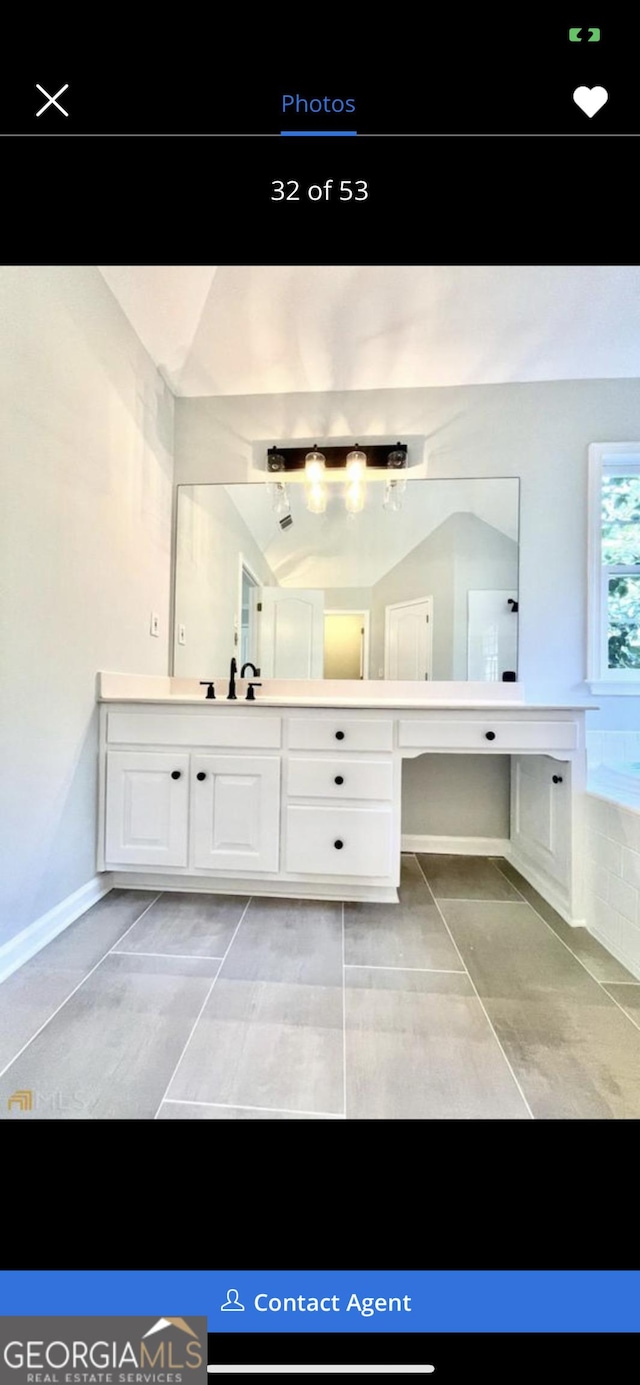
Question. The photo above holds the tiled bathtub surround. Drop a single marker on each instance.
(612, 877)
(607, 747)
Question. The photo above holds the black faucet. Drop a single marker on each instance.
(232, 696)
(255, 671)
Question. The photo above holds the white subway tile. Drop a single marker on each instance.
(630, 944)
(598, 815)
(624, 826)
(624, 898)
(606, 921)
(594, 748)
(630, 746)
(631, 867)
(597, 879)
(605, 852)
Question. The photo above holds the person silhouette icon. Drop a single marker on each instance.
(232, 1303)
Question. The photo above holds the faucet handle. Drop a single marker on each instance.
(208, 684)
(251, 697)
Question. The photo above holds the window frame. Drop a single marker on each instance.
(617, 458)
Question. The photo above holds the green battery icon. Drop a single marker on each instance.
(578, 35)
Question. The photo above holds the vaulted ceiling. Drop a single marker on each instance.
(271, 329)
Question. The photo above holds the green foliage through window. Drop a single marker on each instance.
(621, 549)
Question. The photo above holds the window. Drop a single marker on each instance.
(614, 568)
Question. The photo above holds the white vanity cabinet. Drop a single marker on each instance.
(235, 812)
(146, 808)
(294, 799)
(541, 814)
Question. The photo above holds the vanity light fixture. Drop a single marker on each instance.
(314, 464)
(339, 463)
(396, 483)
(280, 502)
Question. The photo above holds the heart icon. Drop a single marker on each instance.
(590, 99)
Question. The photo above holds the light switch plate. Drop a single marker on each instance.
(182, 635)
(154, 623)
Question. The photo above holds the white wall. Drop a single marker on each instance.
(539, 432)
(211, 537)
(86, 427)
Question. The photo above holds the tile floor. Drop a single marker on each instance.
(470, 999)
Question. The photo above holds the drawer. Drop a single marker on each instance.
(488, 734)
(340, 733)
(365, 835)
(248, 731)
(358, 778)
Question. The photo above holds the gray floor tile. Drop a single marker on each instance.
(408, 934)
(465, 877)
(200, 925)
(575, 1054)
(419, 1046)
(510, 952)
(110, 1051)
(268, 1044)
(573, 1061)
(175, 1112)
(628, 997)
(596, 959)
(29, 997)
(298, 941)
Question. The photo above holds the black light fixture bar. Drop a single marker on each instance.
(335, 457)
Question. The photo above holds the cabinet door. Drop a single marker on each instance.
(147, 808)
(236, 812)
(540, 812)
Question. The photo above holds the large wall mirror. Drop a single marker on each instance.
(425, 591)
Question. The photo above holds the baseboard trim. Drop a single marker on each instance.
(549, 891)
(456, 846)
(620, 956)
(276, 889)
(36, 935)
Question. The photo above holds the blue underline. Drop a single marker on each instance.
(306, 134)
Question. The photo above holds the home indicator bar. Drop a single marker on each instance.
(320, 1370)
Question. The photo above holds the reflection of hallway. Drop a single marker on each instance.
(208, 1007)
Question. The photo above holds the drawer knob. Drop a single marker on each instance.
(338, 845)
(338, 779)
(339, 735)
(201, 775)
(557, 778)
(490, 735)
(175, 773)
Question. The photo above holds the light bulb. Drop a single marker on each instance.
(317, 498)
(354, 498)
(314, 465)
(393, 492)
(356, 465)
(279, 498)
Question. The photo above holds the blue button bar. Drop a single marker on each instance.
(342, 1300)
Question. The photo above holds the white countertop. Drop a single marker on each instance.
(160, 691)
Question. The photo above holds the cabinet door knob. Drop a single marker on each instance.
(338, 845)
(201, 775)
(338, 779)
(339, 735)
(175, 773)
(557, 778)
(490, 735)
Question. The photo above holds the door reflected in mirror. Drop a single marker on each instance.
(425, 591)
